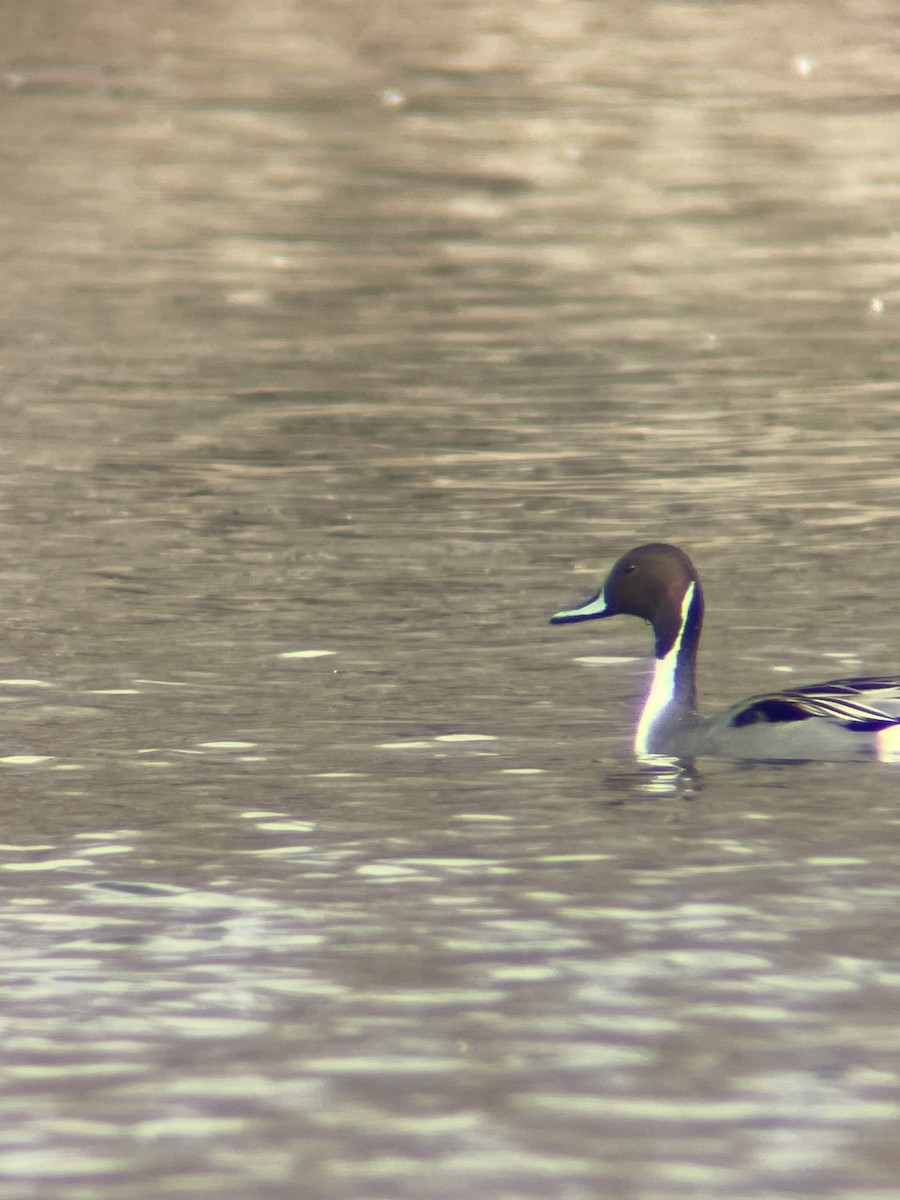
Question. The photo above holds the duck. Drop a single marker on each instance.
(840, 720)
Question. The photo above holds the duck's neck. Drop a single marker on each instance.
(671, 703)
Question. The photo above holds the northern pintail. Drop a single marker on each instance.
(834, 721)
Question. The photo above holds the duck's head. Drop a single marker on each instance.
(656, 582)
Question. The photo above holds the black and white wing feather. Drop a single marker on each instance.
(857, 704)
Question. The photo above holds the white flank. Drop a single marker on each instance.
(887, 744)
(662, 689)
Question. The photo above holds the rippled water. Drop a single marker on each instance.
(341, 347)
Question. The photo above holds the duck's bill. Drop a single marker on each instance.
(589, 611)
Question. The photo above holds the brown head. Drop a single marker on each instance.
(650, 582)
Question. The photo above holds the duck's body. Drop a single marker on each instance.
(834, 721)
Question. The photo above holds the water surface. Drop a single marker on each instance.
(341, 347)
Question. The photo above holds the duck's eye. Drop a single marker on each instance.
(628, 568)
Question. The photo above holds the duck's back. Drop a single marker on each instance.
(841, 719)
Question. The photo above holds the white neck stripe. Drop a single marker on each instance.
(662, 689)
